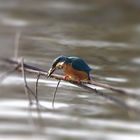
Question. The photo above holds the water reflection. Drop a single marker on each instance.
(136, 61)
(116, 79)
(18, 109)
(14, 22)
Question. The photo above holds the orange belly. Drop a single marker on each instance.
(74, 74)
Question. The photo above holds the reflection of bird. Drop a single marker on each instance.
(74, 68)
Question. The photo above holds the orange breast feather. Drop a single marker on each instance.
(74, 74)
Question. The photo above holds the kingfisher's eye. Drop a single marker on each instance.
(60, 66)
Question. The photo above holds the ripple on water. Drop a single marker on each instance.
(87, 43)
(21, 104)
(136, 60)
(90, 134)
(92, 129)
(50, 83)
(116, 79)
(14, 22)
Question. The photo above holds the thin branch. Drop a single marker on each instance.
(26, 88)
(111, 98)
(36, 87)
(55, 93)
(32, 69)
(106, 86)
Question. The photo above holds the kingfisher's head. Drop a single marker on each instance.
(57, 64)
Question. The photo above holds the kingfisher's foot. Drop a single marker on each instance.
(67, 77)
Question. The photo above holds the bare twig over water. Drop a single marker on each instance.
(55, 93)
(27, 89)
(117, 101)
(36, 87)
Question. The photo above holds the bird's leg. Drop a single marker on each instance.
(67, 77)
(79, 81)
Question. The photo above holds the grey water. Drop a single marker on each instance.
(104, 33)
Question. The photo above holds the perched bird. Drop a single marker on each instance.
(74, 68)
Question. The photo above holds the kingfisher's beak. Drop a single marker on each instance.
(58, 66)
(51, 70)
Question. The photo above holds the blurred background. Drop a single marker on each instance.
(105, 33)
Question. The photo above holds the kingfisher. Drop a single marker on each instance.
(74, 68)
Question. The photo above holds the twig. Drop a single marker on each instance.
(111, 98)
(26, 88)
(36, 87)
(106, 86)
(44, 72)
(55, 93)
(33, 69)
(20, 65)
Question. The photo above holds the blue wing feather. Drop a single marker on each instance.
(79, 64)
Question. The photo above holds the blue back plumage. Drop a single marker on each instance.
(78, 64)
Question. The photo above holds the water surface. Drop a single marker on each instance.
(104, 33)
